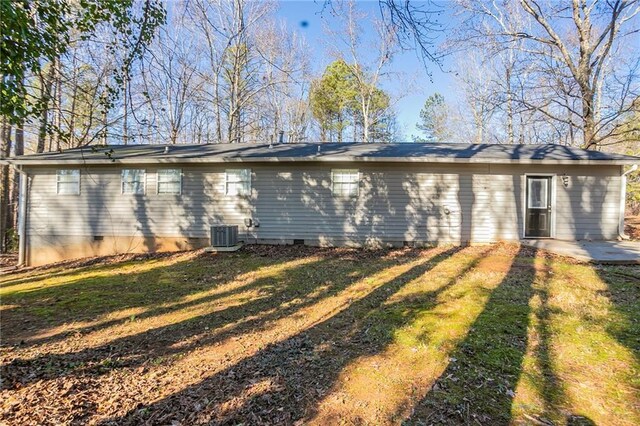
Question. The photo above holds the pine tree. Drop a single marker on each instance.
(433, 120)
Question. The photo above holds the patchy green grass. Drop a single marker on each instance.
(478, 335)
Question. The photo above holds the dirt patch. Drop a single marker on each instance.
(8, 260)
(632, 227)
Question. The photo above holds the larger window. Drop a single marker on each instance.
(238, 182)
(169, 181)
(345, 182)
(68, 181)
(133, 181)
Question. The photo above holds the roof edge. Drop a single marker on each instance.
(340, 159)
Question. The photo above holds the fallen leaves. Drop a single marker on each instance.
(264, 335)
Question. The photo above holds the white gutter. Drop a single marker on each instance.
(333, 159)
(623, 199)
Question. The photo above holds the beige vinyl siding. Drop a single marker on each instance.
(396, 202)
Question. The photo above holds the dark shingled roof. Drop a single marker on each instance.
(401, 152)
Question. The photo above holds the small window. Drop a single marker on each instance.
(68, 181)
(238, 181)
(345, 182)
(538, 198)
(169, 181)
(133, 181)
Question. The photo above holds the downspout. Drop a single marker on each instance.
(22, 214)
(623, 198)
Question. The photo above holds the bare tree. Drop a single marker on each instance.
(285, 74)
(170, 79)
(233, 75)
(581, 81)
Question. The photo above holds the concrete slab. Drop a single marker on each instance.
(223, 249)
(610, 252)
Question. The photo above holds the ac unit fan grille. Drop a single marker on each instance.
(224, 236)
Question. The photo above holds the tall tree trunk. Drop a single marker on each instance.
(5, 135)
(125, 124)
(355, 131)
(239, 61)
(18, 149)
(105, 118)
(366, 110)
(218, 111)
(589, 125)
(510, 135)
(72, 118)
(234, 119)
(57, 105)
(74, 101)
(45, 98)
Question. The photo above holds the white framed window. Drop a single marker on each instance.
(169, 181)
(238, 181)
(68, 181)
(133, 181)
(345, 182)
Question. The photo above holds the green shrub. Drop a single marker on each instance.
(12, 240)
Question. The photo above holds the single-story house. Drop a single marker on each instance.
(104, 200)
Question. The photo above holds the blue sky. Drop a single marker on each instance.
(307, 17)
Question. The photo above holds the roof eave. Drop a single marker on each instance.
(205, 160)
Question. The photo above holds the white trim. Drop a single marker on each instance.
(554, 179)
(23, 200)
(623, 200)
(357, 182)
(79, 175)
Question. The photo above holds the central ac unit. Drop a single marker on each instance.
(224, 235)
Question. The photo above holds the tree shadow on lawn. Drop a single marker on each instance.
(577, 326)
(198, 296)
(623, 290)
(76, 266)
(605, 351)
(115, 287)
(543, 376)
(279, 296)
(479, 384)
(298, 371)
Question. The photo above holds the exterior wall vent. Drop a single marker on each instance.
(224, 235)
(297, 242)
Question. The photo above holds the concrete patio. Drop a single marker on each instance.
(610, 252)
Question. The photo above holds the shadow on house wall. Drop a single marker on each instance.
(416, 203)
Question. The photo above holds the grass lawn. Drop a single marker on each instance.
(478, 335)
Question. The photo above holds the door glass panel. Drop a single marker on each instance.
(538, 198)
